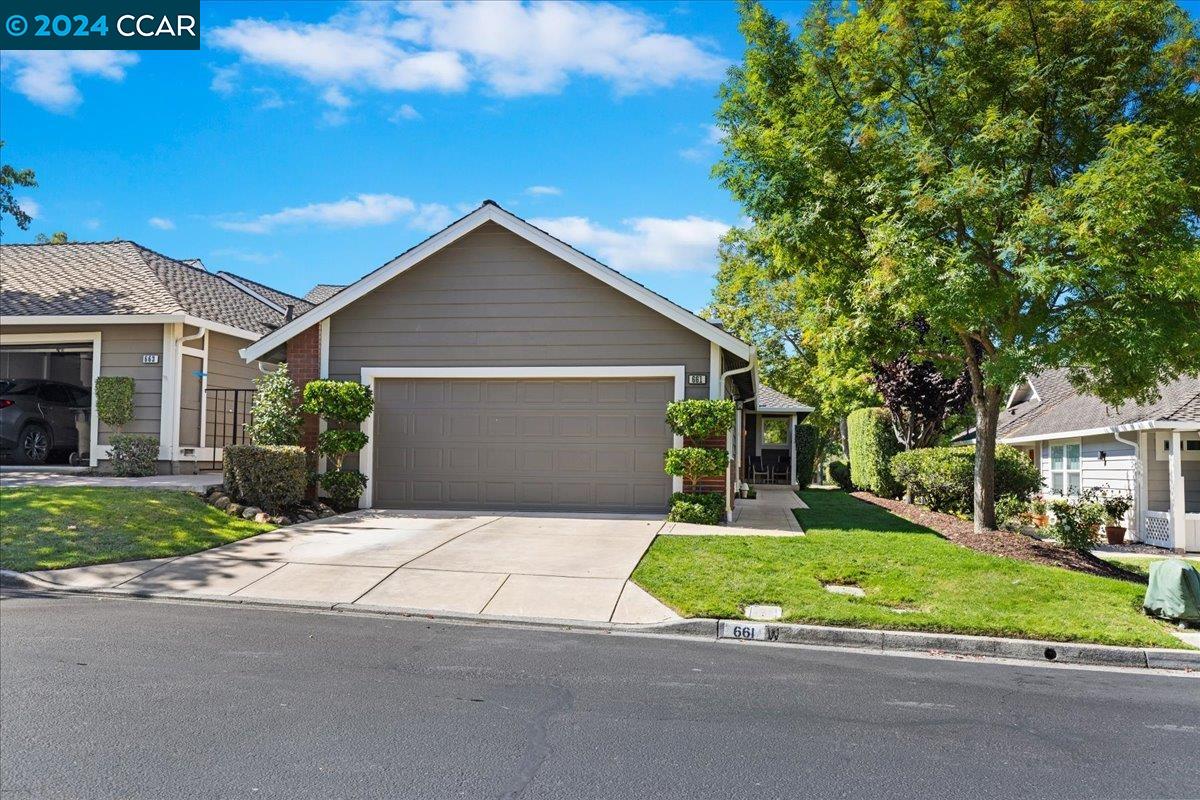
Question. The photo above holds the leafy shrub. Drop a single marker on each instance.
(694, 463)
(807, 439)
(1076, 525)
(944, 477)
(133, 455)
(341, 441)
(699, 419)
(272, 477)
(1011, 511)
(1116, 506)
(344, 487)
(344, 401)
(700, 509)
(872, 445)
(274, 417)
(114, 400)
(839, 473)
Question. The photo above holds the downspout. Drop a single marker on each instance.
(1139, 477)
(737, 466)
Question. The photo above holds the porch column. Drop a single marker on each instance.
(1178, 523)
(1141, 475)
(792, 448)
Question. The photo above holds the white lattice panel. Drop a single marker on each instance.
(1158, 530)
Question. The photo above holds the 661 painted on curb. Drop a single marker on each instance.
(746, 631)
(101, 25)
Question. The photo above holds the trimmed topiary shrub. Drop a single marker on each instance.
(699, 419)
(114, 400)
(807, 439)
(344, 405)
(943, 478)
(872, 445)
(272, 477)
(839, 473)
(344, 487)
(694, 463)
(701, 509)
(275, 415)
(133, 455)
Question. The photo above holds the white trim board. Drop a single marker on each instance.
(489, 212)
(70, 337)
(366, 457)
(131, 319)
(1075, 434)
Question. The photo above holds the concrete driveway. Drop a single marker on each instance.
(547, 566)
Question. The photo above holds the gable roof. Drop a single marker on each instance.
(124, 279)
(323, 291)
(1054, 407)
(768, 399)
(491, 212)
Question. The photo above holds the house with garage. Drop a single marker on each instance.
(512, 371)
(70, 313)
(1149, 452)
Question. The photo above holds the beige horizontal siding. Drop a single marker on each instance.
(493, 299)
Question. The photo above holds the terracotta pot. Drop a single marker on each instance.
(1041, 520)
(1115, 534)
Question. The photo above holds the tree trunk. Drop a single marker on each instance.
(987, 416)
(844, 430)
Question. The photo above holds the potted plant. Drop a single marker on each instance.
(1115, 508)
(1037, 512)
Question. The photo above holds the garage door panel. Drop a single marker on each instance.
(534, 444)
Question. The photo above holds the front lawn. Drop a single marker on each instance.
(913, 579)
(53, 528)
(1142, 565)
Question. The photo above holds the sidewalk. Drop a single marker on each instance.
(770, 510)
(11, 478)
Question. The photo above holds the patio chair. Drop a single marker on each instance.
(758, 473)
(782, 471)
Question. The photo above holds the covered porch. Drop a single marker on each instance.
(765, 438)
(1168, 489)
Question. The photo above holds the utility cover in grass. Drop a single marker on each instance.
(838, 588)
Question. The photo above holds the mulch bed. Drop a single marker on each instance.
(1000, 543)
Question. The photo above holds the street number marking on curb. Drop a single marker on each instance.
(748, 631)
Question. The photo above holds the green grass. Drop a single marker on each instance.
(913, 580)
(53, 528)
(1142, 565)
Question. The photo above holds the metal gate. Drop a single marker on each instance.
(228, 413)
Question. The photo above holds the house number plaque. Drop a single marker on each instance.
(697, 379)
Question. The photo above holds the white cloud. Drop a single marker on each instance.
(707, 147)
(48, 77)
(224, 80)
(248, 256)
(542, 191)
(404, 112)
(514, 48)
(92, 224)
(271, 99)
(30, 206)
(645, 244)
(352, 212)
(432, 217)
(162, 223)
(335, 97)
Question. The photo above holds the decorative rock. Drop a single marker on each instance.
(235, 509)
(328, 512)
(250, 512)
(281, 520)
(222, 502)
(262, 516)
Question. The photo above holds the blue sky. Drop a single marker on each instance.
(311, 142)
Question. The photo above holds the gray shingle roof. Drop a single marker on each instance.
(322, 292)
(120, 277)
(768, 399)
(299, 304)
(1059, 408)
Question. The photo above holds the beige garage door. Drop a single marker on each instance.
(584, 445)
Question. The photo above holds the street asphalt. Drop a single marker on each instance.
(109, 697)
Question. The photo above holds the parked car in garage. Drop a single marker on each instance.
(42, 420)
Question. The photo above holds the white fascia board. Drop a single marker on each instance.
(131, 319)
(1155, 424)
(491, 213)
(785, 410)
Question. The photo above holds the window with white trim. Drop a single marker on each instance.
(1066, 477)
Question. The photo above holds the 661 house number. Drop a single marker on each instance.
(746, 631)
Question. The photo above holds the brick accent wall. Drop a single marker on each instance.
(304, 365)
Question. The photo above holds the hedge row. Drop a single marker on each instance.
(943, 478)
(872, 445)
(272, 477)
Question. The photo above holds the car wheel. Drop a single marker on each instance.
(34, 444)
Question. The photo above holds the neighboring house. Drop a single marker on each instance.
(512, 371)
(1148, 452)
(73, 312)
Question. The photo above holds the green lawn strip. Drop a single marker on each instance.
(913, 580)
(1142, 565)
(54, 528)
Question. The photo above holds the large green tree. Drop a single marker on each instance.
(1022, 174)
(11, 176)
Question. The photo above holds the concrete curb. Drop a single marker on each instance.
(887, 641)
